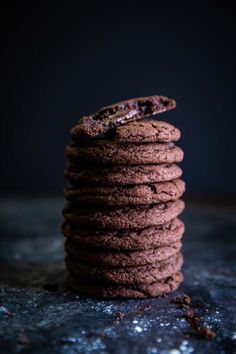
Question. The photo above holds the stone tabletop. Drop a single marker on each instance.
(39, 315)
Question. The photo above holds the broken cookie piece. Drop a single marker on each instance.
(120, 113)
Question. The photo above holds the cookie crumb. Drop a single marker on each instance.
(195, 323)
(193, 320)
(183, 301)
(120, 315)
(143, 308)
(208, 333)
(23, 339)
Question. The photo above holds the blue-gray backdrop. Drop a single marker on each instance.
(63, 59)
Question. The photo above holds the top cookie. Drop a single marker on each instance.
(120, 113)
(147, 131)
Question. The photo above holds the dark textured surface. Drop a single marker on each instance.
(57, 321)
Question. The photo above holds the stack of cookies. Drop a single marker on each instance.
(123, 235)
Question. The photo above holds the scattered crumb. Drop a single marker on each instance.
(190, 316)
(208, 333)
(142, 308)
(182, 301)
(23, 339)
(193, 320)
(120, 315)
(195, 323)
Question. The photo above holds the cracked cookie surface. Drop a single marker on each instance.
(144, 274)
(133, 217)
(112, 258)
(105, 151)
(146, 131)
(150, 237)
(121, 174)
(126, 195)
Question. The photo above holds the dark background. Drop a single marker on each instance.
(61, 60)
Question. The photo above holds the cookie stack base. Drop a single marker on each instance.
(135, 270)
(104, 290)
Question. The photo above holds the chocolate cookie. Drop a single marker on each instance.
(105, 151)
(111, 258)
(126, 195)
(121, 113)
(122, 174)
(106, 290)
(147, 238)
(135, 217)
(146, 131)
(128, 275)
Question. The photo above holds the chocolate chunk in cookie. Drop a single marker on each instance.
(120, 113)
